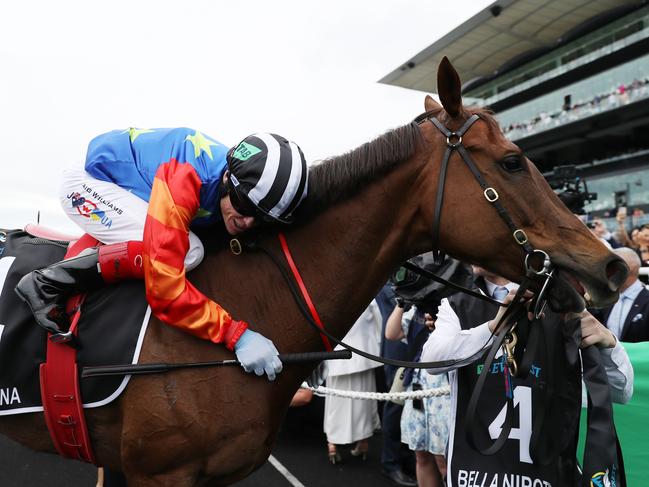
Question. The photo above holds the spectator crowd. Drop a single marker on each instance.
(617, 96)
(424, 440)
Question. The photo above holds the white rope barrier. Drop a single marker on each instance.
(379, 396)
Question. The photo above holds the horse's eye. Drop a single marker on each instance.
(512, 164)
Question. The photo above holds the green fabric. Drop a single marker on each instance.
(632, 419)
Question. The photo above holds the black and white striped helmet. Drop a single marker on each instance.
(268, 177)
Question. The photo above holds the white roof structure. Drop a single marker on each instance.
(501, 32)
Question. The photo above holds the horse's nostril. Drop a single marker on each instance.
(616, 272)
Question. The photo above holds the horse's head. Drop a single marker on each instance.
(470, 226)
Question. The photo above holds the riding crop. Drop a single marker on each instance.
(139, 369)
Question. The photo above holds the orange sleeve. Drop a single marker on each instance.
(173, 299)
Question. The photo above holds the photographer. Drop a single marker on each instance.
(424, 422)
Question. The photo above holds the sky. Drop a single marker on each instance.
(307, 70)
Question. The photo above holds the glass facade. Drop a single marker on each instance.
(636, 182)
(606, 90)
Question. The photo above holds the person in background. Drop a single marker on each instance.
(643, 244)
(634, 243)
(463, 327)
(628, 318)
(424, 422)
(599, 229)
(622, 234)
(396, 459)
(354, 420)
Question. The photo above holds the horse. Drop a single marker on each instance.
(367, 211)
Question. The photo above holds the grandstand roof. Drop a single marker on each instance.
(498, 35)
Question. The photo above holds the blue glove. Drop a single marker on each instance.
(258, 353)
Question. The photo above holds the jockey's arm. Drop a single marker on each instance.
(173, 203)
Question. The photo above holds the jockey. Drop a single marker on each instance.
(140, 192)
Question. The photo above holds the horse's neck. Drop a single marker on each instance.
(344, 256)
(348, 252)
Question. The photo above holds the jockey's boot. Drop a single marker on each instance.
(46, 290)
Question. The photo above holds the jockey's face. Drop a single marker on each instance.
(235, 222)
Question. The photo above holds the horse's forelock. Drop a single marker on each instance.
(484, 113)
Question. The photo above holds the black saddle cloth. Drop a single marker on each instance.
(111, 329)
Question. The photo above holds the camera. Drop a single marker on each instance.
(411, 288)
(571, 188)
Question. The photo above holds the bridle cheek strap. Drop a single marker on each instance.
(454, 142)
(303, 290)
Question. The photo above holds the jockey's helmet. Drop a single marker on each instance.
(268, 177)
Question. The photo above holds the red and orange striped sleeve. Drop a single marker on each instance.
(173, 299)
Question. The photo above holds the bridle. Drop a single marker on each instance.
(505, 334)
(454, 143)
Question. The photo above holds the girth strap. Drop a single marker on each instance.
(60, 388)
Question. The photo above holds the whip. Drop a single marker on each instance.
(140, 369)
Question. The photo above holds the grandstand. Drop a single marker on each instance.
(568, 81)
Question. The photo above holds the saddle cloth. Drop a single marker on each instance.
(111, 329)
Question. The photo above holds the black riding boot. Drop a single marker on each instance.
(46, 290)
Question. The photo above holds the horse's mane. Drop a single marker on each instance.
(337, 178)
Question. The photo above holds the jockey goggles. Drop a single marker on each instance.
(243, 205)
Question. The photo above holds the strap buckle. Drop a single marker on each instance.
(520, 236)
(235, 246)
(491, 195)
(63, 337)
(509, 345)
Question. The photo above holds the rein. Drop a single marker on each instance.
(437, 367)
(506, 338)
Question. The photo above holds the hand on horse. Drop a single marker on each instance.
(594, 333)
(318, 376)
(429, 322)
(257, 353)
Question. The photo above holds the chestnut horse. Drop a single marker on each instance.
(367, 211)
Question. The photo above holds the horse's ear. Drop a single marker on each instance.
(449, 88)
(430, 105)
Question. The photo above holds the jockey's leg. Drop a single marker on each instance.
(115, 217)
(46, 290)
(111, 213)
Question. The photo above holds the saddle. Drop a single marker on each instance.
(47, 233)
(104, 336)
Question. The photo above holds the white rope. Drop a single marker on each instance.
(379, 396)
